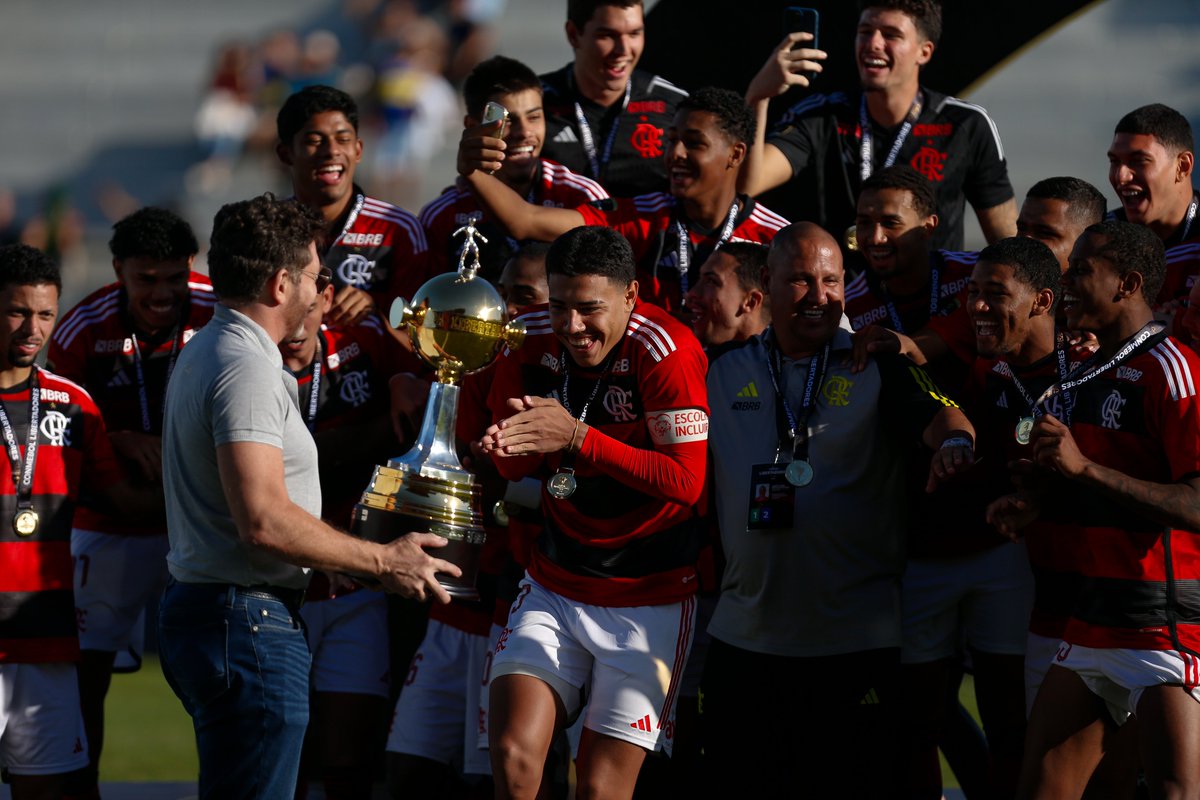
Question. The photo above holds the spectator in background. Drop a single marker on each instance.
(226, 117)
(417, 108)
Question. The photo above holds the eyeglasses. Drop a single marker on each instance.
(323, 278)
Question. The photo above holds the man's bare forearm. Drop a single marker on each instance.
(1173, 504)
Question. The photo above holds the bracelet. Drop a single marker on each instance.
(574, 431)
(958, 441)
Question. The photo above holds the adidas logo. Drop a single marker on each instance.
(1002, 402)
(870, 698)
(565, 135)
(744, 403)
(119, 379)
(642, 724)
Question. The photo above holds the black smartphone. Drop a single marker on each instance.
(807, 20)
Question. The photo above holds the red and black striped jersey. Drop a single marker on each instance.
(1141, 586)
(553, 185)
(93, 346)
(651, 223)
(381, 249)
(619, 539)
(994, 405)
(356, 363)
(37, 600)
(867, 302)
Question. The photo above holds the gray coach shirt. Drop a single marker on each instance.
(829, 584)
(228, 386)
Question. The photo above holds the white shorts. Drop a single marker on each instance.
(348, 638)
(41, 726)
(116, 577)
(1039, 655)
(437, 715)
(983, 600)
(630, 661)
(1119, 676)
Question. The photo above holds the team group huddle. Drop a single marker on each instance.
(757, 493)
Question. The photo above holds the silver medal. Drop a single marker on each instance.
(561, 485)
(1024, 430)
(799, 473)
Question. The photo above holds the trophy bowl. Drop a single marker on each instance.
(457, 323)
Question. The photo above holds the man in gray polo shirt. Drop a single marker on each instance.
(243, 511)
(807, 474)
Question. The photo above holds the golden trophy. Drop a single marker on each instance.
(457, 324)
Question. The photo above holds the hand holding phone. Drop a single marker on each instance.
(795, 62)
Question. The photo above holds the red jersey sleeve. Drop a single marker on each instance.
(675, 397)
(627, 218)
(1174, 413)
(100, 468)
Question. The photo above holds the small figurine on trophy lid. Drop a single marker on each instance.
(457, 322)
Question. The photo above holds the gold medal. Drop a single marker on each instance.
(25, 523)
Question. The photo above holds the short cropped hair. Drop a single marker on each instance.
(305, 104)
(592, 250)
(581, 12)
(1085, 203)
(733, 117)
(904, 178)
(22, 265)
(1134, 248)
(750, 259)
(1034, 264)
(153, 233)
(497, 75)
(925, 14)
(1163, 123)
(254, 239)
(533, 250)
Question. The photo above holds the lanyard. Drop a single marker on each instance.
(566, 400)
(143, 398)
(935, 291)
(1088, 372)
(351, 217)
(23, 472)
(314, 390)
(685, 242)
(1188, 219)
(1060, 355)
(815, 376)
(866, 147)
(598, 162)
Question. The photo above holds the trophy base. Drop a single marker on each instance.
(463, 548)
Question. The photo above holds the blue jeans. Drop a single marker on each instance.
(239, 662)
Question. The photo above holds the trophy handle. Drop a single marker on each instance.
(513, 334)
(401, 314)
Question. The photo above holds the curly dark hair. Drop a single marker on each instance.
(22, 265)
(1034, 264)
(925, 14)
(904, 177)
(1163, 123)
(592, 250)
(1133, 248)
(736, 121)
(305, 104)
(497, 75)
(153, 233)
(254, 239)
